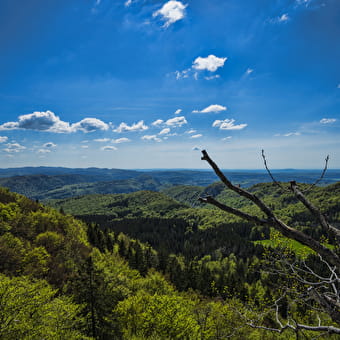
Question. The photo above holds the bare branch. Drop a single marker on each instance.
(236, 212)
(273, 221)
(315, 211)
(270, 174)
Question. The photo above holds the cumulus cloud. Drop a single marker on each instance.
(171, 12)
(177, 112)
(210, 63)
(151, 138)
(157, 122)
(228, 124)
(196, 136)
(108, 148)
(327, 120)
(121, 140)
(14, 147)
(39, 121)
(123, 127)
(49, 145)
(177, 121)
(212, 109)
(164, 131)
(3, 139)
(90, 125)
(49, 122)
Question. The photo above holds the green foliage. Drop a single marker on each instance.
(30, 310)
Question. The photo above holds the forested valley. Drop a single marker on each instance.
(159, 265)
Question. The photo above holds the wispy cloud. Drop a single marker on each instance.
(3, 139)
(196, 136)
(102, 140)
(121, 140)
(171, 12)
(327, 120)
(108, 148)
(177, 112)
(44, 151)
(228, 138)
(228, 124)
(215, 108)
(249, 71)
(14, 148)
(191, 131)
(123, 127)
(216, 76)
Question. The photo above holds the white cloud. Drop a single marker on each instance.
(338, 86)
(102, 140)
(216, 76)
(249, 71)
(289, 134)
(49, 145)
(164, 131)
(196, 136)
(49, 122)
(228, 124)
(157, 122)
(177, 112)
(108, 148)
(44, 151)
(39, 121)
(3, 139)
(210, 63)
(151, 137)
(212, 109)
(327, 120)
(123, 127)
(14, 147)
(226, 138)
(90, 125)
(121, 140)
(171, 12)
(177, 121)
(191, 131)
(283, 18)
(84, 146)
(128, 3)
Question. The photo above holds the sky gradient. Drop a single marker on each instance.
(148, 83)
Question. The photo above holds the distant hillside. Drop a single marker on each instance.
(58, 183)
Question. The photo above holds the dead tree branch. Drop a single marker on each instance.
(271, 219)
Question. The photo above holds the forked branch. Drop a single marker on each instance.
(271, 220)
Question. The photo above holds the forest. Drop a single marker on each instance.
(162, 265)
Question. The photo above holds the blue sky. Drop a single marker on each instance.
(148, 83)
